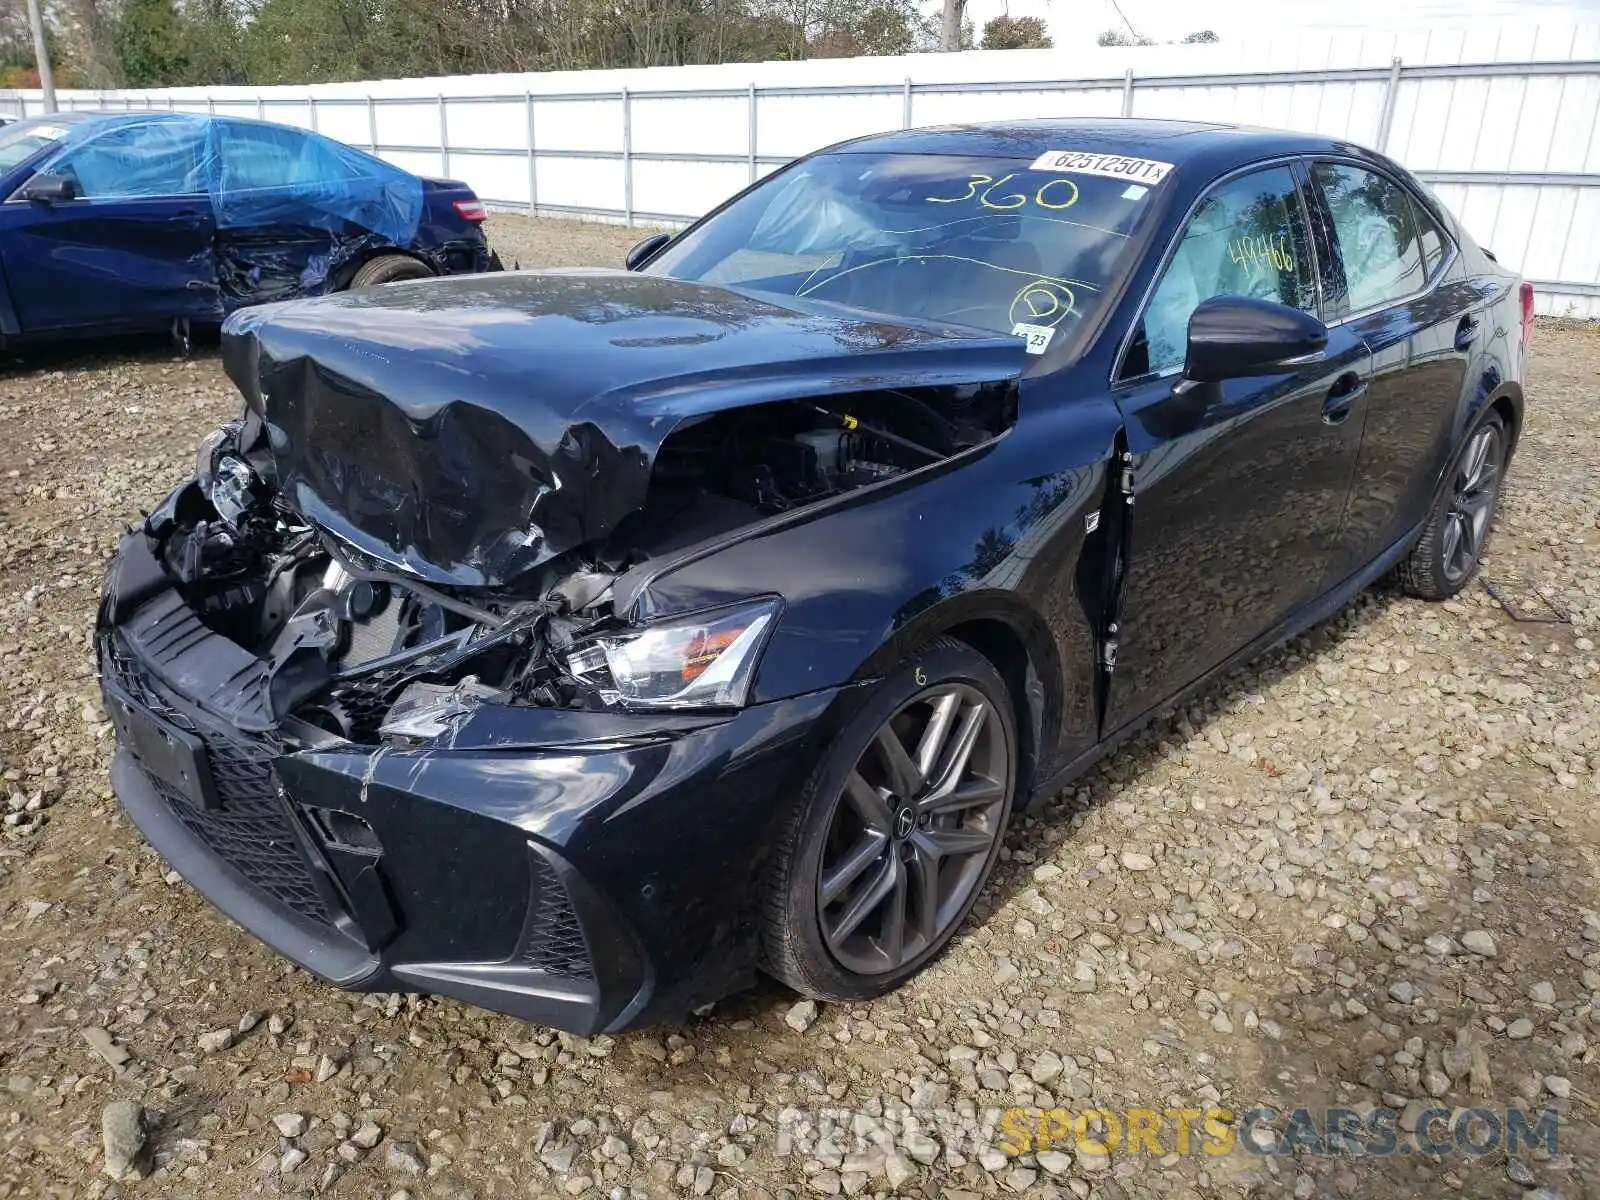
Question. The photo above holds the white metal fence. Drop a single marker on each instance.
(1513, 147)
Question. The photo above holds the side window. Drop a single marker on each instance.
(1247, 238)
(258, 157)
(131, 162)
(1376, 227)
(276, 156)
(1432, 238)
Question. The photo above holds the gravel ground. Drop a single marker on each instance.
(1362, 872)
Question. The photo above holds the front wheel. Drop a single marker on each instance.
(1453, 540)
(896, 831)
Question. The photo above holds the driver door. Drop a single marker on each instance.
(133, 248)
(1237, 509)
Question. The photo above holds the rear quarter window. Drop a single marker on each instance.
(1375, 223)
(276, 156)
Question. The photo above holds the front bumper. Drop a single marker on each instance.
(589, 871)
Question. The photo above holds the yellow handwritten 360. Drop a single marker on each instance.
(1063, 195)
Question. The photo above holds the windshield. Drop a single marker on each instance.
(987, 242)
(25, 139)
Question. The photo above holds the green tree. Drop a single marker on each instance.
(1016, 33)
(313, 41)
(212, 44)
(853, 27)
(149, 42)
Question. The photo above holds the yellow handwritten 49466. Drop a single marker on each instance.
(1257, 251)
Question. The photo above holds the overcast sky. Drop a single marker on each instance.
(1077, 22)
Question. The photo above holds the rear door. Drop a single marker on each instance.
(1236, 511)
(274, 241)
(1396, 266)
(135, 247)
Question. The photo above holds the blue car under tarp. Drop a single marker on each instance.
(191, 216)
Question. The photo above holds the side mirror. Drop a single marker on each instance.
(50, 189)
(645, 250)
(1235, 336)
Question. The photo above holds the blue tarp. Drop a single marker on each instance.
(256, 173)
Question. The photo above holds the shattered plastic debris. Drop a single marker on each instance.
(426, 710)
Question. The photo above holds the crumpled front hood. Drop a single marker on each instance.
(467, 429)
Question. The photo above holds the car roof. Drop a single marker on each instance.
(78, 118)
(135, 116)
(1214, 147)
(56, 118)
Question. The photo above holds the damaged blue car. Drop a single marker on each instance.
(115, 222)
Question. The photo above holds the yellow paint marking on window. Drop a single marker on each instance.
(1256, 252)
(1011, 201)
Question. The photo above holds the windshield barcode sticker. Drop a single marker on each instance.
(1112, 166)
(1036, 338)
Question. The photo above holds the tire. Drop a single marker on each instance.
(1447, 556)
(956, 827)
(388, 268)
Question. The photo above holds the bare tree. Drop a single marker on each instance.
(41, 56)
(955, 12)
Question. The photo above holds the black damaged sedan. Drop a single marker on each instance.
(580, 643)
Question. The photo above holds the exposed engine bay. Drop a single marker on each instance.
(365, 652)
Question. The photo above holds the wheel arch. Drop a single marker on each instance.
(1017, 642)
(1507, 400)
(347, 271)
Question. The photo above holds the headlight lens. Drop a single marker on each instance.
(205, 454)
(233, 490)
(704, 661)
(228, 481)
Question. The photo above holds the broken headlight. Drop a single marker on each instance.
(226, 479)
(704, 661)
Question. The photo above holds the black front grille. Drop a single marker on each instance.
(250, 828)
(554, 941)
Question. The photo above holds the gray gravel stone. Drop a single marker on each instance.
(1054, 1161)
(122, 1137)
(403, 1158)
(1480, 942)
(801, 1015)
(898, 1170)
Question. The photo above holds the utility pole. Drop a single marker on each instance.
(41, 55)
(949, 24)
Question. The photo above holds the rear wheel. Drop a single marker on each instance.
(1457, 531)
(896, 831)
(388, 268)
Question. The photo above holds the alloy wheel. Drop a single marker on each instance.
(911, 835)
(1476, 487)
